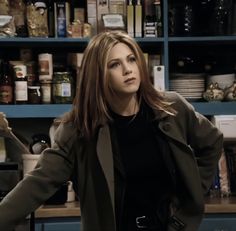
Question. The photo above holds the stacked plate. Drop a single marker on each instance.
(189, 85)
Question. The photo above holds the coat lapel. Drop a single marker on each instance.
(105, 157)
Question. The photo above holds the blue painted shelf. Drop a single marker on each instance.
(55, 110)
(215, 108)
(230, 38)
(35, 110)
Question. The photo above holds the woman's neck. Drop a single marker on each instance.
(125, 107)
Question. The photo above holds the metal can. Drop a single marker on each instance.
(62, 91)
(45, 66)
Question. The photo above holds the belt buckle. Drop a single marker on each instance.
(138, 221)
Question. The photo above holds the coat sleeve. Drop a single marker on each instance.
(204, 138)
(52, 170)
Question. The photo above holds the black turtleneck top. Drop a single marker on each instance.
(147, 179)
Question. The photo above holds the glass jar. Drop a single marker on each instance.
(34, 95)
(46, 90)
(62, 87)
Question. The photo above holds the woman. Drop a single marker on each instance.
(139, 159)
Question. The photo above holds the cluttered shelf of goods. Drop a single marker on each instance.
(80, 19)
(221, 195)
(32, 68)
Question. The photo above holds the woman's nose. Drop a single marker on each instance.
(126, 69)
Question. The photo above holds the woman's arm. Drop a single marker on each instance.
(52, 170)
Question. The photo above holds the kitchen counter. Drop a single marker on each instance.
(220, 205)
(72, 209)
(69, 209)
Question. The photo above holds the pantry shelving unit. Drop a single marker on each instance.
(161, 44)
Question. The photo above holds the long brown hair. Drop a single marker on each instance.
(91, 103)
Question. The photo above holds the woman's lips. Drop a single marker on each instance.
(129, 80)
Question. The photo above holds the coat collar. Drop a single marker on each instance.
(105, 157)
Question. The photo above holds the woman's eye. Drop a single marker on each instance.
(114, 65)
(132, 59)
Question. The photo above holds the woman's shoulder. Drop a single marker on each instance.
(172, 96)
(178, 102)
(65, 132)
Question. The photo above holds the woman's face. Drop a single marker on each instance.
(123, 72)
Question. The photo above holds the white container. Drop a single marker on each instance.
(45, 66)
(71, 192)
(227, 125)
(29, 162)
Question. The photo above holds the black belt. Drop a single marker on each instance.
(148, 223)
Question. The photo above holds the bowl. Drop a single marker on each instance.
(223, 80)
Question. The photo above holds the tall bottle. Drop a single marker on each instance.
(21, 84)
(62, 17)
(138, 19)
(130, 18)
(6, 84)
(158, 16)
(51, 19)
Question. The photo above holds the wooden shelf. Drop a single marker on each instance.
(69, 209)
(220, 205)
(72, 209)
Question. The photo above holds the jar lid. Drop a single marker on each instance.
(34, 87)
(45, 81)
(61, 72)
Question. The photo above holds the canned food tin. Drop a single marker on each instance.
(45, 66)
(62, 91)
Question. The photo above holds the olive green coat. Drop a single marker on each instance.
(195, 144)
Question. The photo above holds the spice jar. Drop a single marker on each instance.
(62, 87)
(46, 89)
(34, 95)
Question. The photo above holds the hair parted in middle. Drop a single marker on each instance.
(91, 103)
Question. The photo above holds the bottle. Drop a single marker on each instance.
(158, 16)
(21, 84)
(130, 18)
(6, 84)
(138, 19)
(60, 16)
(51, 21)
